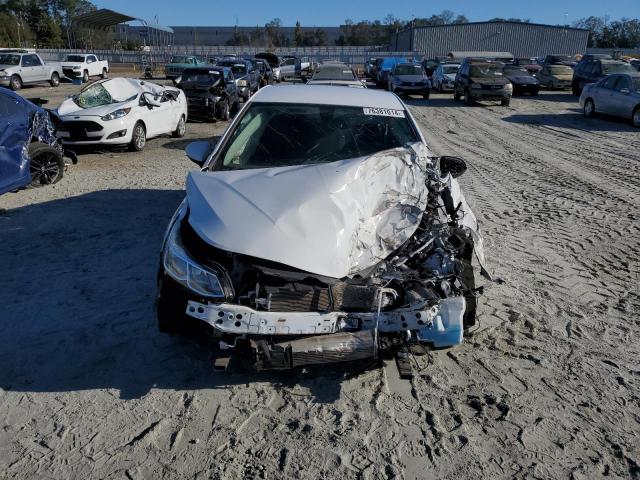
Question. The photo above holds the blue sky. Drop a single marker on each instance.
(334, 12)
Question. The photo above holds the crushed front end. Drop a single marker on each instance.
(407, 263)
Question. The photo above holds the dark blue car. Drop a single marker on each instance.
(30, 153)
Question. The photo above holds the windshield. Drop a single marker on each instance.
(239, 69)
(201, 76)
(75, 58)
(486, 70)
(334, 73)
(278, 135)
(408, 70)
(180, 59)
(561, 70)
(449, 69)
(93, 96)
(608, 68)
(9, 59)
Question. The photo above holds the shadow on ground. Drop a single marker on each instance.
(77, 296)
(574, 120)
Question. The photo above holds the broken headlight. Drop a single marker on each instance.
(179, 265)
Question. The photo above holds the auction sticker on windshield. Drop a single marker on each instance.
(383, 112)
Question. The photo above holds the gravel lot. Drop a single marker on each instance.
(546, 387)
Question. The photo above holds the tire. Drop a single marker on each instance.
(55, 80)
(15, 83)
(505, 102)
(635, 119)
(589, 108)
(224, 112)
(456, 94)
(138, 138)
(426, 95)
(467, 97)
(47, 164)
(181, 129)
(440, 89)
(85, 76)
(104, 73)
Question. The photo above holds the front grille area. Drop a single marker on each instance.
(78, 130)
(491, 87)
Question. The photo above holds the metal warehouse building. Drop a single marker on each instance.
(521, 39)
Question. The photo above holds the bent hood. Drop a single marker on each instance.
(335, 219)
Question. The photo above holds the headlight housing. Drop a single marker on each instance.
(121, 112)
(508, 87)
(242, 83)
(210, 282)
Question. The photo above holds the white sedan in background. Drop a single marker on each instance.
(122, 111)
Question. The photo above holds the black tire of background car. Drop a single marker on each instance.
(589, 108)
(138, 138)
(635, 117)
(15, 83)
(181, 129)
(426, 96)
(224, 112)
(104, 73)
(55, 79)
(467, 97)
(440, 88)
(505, 102)
(456, 94)
(47, 164)
(85, 76)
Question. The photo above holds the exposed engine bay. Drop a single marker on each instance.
(410, 274)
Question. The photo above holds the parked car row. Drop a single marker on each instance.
(24, 67)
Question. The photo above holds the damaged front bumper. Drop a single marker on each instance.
(440, 325)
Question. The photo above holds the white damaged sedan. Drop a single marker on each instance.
(321, 229)
(122, 111)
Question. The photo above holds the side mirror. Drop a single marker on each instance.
(149, 100)
(198, 151)
(454, 166)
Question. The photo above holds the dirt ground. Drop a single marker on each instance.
(547, 386)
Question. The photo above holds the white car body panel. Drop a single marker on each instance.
(126, 93)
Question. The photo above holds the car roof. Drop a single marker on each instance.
(328, 95)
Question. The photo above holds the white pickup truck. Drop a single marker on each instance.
(84, 66)
(21, 67)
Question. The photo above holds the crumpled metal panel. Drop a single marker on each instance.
(17, 130)
(335, 219)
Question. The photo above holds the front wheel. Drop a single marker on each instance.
(85, 77)
(467, 97)
(506, 102)
(104, 73)
(55, 79)
(425, 96)
(224, 112)
(575, 89)
(456, 95)
(636, 117)
(15, 83)
(181, 129)
(589, 108)
(138, 138)
(47, 164)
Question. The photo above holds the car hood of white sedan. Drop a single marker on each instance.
(334, 219)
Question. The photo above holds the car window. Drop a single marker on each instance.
(26, 61)
(408, 70)
(448, 69)
(35, 60)
(277, 135)
(608, 68)
(622, 83)
(91, 59)
(9, 106)
(608, 82)
(484, 70)
(75, 58)
(337, 72)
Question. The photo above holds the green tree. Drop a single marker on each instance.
(298, 36)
